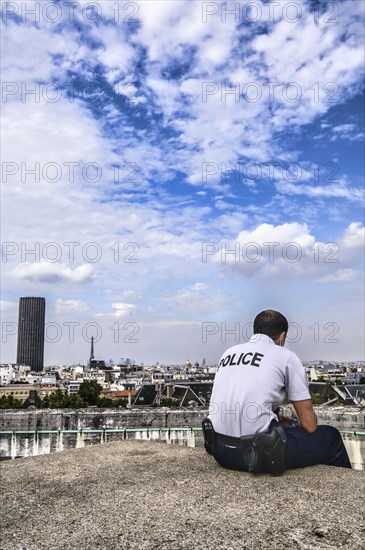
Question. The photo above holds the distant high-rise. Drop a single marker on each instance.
(31, 326)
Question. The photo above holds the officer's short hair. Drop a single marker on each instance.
(270, 322)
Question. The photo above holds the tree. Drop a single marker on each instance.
(167, 402)
(316, 399)
(60, 400)
(89, 391)
(108, 403)
(56, 400)
(362, 380)
(75, 402)
(9, 402)
(120, 402)
(104, 403)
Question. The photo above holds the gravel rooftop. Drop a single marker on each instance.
(149, 495)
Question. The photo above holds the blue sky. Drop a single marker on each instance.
(177, 168)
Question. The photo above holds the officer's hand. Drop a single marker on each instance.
(293, 411)
(306, 415)
(289, 416)
(284, 421)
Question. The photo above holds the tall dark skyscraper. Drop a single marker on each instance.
(31, 326)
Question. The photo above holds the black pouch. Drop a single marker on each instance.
(209, 435)
(267, 452)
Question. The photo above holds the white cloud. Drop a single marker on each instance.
(343, 128)
(67, 306)
(336, 190)
(340, 275)
(347, 132)
(123, 309)
(120, 310)
(194, 301)
(199, 286)
(116, 55)
(289, 250)
(44, 272)
(6, 305)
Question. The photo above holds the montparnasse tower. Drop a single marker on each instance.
(31, 326)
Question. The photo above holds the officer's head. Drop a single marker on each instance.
(273, 324)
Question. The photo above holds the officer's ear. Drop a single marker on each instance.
(280, 340)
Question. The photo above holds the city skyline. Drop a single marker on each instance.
(170, 169)
(32, 333)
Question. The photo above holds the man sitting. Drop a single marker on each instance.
(244, 431)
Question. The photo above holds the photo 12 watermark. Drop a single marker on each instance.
(71, 252)
(238, 332)
(270, 252)
(53, 13)
(271, 172)
(73, 331)
(271, 92)
(71, 172)
(51, 92)
(255, 11)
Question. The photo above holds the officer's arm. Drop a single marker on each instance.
(306, 415)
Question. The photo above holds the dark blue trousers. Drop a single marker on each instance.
(324, 446)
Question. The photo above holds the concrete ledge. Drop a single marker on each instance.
(148, 495)
(136, 417)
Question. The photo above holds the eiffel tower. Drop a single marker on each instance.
(92, 357)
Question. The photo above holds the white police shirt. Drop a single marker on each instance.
(251, 382)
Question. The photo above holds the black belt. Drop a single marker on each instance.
(240, 442)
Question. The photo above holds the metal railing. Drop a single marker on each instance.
(103, 430)
(133, 430)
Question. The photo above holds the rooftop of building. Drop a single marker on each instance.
(150, 495)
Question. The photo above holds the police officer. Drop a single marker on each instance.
(244, 425)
